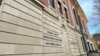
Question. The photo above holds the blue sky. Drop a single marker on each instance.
(87, 6)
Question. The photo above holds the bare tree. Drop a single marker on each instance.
(96, 15)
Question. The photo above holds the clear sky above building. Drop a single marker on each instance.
(87, 6)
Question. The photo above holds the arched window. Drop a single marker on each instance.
(66, 14)
(75, 15)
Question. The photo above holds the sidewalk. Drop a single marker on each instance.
(94, 54)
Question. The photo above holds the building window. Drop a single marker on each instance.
(84, 25)
(99, 47)
(0, 2)
(75, 14)
(80, 23)
(64, 2)
(66, 14)
(52, 4)
(59, 7)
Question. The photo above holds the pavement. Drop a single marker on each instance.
(94, 54)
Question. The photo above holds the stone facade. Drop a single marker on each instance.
(29, 28)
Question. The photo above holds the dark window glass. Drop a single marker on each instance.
(66, 14)
(52, 3)
(0, 2)
(75, 14)
(59, 7)
(84, 25)
(80, 22)
(99, 47)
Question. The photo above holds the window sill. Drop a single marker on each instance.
(53, 9)
(60, 15)
(70, 25)
(51, 12)
(40, 3)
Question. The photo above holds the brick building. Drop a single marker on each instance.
(95, 38)
(42, 28)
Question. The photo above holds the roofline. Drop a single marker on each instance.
(81, 10)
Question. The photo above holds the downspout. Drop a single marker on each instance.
(83, 37)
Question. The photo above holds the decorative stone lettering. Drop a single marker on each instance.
(52, 39)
